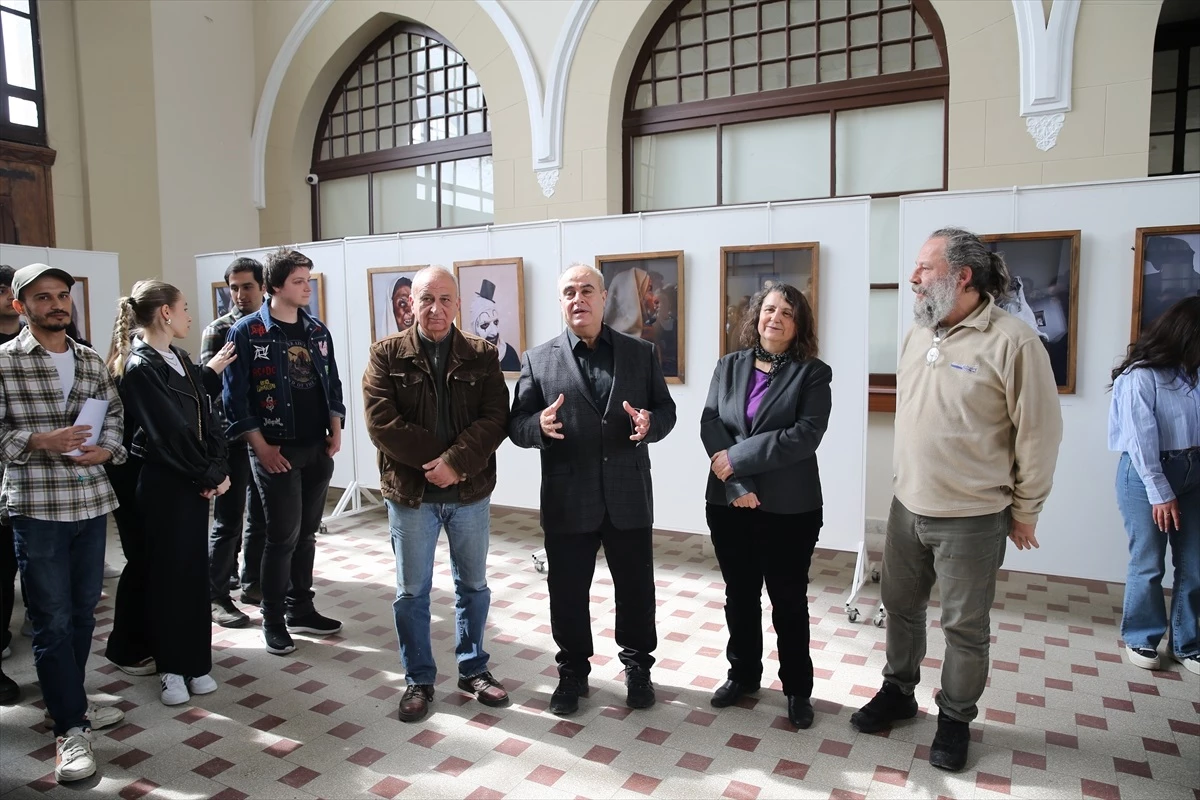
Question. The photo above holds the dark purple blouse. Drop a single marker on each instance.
(755, 394)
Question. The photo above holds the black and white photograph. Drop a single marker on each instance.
(492, 292)
(1166, 270)
(645, 299)
(1043, 291)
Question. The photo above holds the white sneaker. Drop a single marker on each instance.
(140, 669)
(1142, 657)
(1190, 663)
(97, 716)
(6, 653)
(73, 760)
(110, 571)
(201, 685)
(174, 689)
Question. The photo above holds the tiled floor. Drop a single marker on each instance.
(1064, 716)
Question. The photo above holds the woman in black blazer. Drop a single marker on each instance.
(171, 429)
(767, 409)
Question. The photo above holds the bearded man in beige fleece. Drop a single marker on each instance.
(978, 427)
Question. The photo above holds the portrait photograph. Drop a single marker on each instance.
(492, 292)
(81, 308)
(223, 302)
(645, 299)
(1166, 270)
(1043, 291)
(390, 293)
(747, 270)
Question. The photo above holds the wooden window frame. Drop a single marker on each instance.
(1180, 38)
(432, 153)
(23, 133)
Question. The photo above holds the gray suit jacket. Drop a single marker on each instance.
(776, 457)
(595, 468)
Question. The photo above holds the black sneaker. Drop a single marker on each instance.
(234, 583)
(888, 705)
(227, 615)
(10, 692)
(277, 639)
(800, 711)
(251, 595)
(313, 623)
(730, 692)
(949, 749)
(639, 691)
(565, 699)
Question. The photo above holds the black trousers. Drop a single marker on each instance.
(294, 502)
(240, 502)
(754, 547)
(129, 639)
(572, 562)
(8, 574)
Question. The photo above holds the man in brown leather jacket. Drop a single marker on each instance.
(437, 410)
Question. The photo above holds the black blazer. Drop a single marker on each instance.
(776, 457)
(169, 417)
(595, 468)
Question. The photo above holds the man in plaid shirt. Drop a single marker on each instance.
(244, 277)
(56, 502)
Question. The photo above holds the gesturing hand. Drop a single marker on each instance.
(720, 465)
(640, 418)
(440, 474)
(224, 357)
(549, 419)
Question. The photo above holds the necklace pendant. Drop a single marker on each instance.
(933, 355)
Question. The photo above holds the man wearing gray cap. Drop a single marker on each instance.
(55, 495)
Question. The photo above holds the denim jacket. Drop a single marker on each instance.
(257, 394)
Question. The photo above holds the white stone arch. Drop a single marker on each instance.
(546, 109)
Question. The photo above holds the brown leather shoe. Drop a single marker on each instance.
(414, 705)
(486, 689)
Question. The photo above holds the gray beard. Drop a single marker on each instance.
(937, 304)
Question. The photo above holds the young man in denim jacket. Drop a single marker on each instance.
(283, 396)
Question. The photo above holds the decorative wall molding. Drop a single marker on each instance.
(1044, 129)
(266, 103)
(1047, 51)
(547, 112)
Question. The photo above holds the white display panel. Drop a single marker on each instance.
(1080, 529)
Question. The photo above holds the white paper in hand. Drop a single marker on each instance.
(92, 414)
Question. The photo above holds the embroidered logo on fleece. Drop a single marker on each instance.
(971, 368)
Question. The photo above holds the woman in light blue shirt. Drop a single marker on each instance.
(1154, 423)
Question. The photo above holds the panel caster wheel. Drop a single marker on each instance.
(880, 618)
(539, 566)
(875, 576)
(852, 614)
(323, 530)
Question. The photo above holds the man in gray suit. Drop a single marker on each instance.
(589, 399)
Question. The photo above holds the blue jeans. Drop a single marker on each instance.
(1144, 620)
(62, 564)
(414, 540)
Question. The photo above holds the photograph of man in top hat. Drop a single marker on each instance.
(492, 293)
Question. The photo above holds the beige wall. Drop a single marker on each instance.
(204, 110)
(60, 73)
(1106, 133)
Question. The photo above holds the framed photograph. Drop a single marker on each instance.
(222, 301)
(492, 292)
(1045, 291)
(1166, 270)
(81, 309)
(746, 270)
(389, 290)
(646, 299)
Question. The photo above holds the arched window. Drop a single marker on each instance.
(735, 101)
(22, 102)
(1175, 91)
(404, 142)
